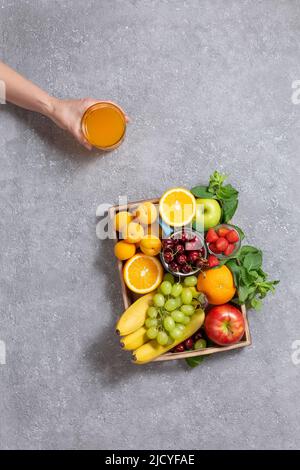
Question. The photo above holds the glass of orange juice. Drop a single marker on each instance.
(104, 125)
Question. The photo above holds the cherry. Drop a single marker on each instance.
(174, 267)
(197, 335)
(179, 249)
(181, 259)
(186, 268)
(201, 263)
(189, 343)
(168, 256)
(179, 348)
(168, 243)
(184, 237)
(193, 256)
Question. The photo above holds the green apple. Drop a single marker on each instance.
(208, 213)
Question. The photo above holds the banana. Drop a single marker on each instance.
(135, 339)
(149, 351)
(134, 317)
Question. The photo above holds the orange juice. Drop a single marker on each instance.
(104, 125)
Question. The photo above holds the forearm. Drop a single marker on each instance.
(24, 93)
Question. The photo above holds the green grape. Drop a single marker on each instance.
(187, 309)
(152, 312)
(194, 292)
(190, 281)
(151, 322)
(178, 301)
(159, 300)
(186, 295)
(200, 344)
(176, 290)
(162, 338)
(166, 287)
(176, 333)
(170, 305)
(180, 327)
(169, 277)
(186, 320)
(169, 323)
(152, 333)
(178, 316)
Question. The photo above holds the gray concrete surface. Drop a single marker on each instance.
(208, 86)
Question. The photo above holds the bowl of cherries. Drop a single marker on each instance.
(184, 253)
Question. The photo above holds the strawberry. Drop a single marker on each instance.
(213, 248)
(229, 249)
(221, 244)
(212, 261)
(222, 231)
(232, 236)
(211, 236)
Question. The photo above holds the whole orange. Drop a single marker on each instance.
(217, 284)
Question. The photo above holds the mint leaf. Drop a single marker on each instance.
(216, 181)
(253, 261)
(202, 192)
(256, 304)
(243, 293)
(194, 361)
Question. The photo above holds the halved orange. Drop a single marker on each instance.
(142, 273)
(177, 207)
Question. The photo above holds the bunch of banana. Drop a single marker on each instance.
(131, 327)
(134, 317)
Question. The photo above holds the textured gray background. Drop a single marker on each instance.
(208, 86)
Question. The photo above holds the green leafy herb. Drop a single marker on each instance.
(226, 194)
(251, 281)
(202, 192)
(194, 361)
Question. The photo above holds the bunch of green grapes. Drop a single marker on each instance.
(171, 310)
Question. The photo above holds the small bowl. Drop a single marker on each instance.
(237, 244)
(177, 235)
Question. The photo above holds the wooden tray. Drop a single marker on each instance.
(129, 297)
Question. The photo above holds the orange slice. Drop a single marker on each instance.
(142, 273)
(177, 207)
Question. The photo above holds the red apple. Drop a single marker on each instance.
(224, 324)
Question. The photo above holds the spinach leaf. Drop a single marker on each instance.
(236, 271)
(229, 206)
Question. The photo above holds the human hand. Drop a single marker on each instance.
(67, 114)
